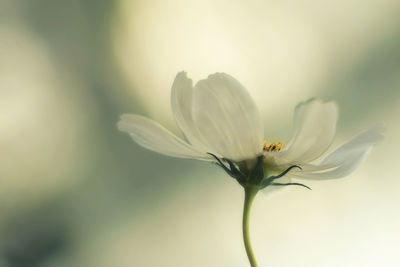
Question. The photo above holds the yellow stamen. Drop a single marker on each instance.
(273, 147)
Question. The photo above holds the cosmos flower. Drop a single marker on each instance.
(222, 124)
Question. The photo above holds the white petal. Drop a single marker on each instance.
(182, 105)
(227, 118)
(155, 137)
(325, 172)
(314, 129)
(361, 142)
(345, 159)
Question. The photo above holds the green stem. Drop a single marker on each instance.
(249, 195)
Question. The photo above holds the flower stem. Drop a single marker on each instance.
(249, 195)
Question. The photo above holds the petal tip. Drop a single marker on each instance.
(181, 81)
(121, 126)
(318, 100)
(127, 121)
(218, 75)
(182, 74)
(124, 116)
(129, 117)
(379, 129)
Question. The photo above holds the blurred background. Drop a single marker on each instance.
(76, 192)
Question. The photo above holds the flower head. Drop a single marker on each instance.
(222, 124)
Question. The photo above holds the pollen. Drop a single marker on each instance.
(273, 147)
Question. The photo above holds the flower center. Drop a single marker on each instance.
(273, 147)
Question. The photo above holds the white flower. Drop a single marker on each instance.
(222, 124)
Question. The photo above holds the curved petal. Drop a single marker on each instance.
(314, 129)
(325, 172)
(153, 136)
(181, 105)
(345, 159)
(227, 118)
(362, 141)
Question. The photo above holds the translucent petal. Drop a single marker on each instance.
(314, 129)
(362, 141)
(155, 137)
(227, 118)
(345, 159)
(181, 104)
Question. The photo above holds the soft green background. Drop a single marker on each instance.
(76, 192)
